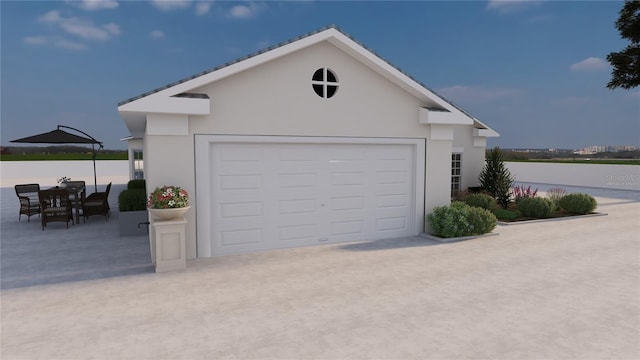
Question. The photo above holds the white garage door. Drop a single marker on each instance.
(270, 195)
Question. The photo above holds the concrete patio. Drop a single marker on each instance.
(566, 289)
(85, 251)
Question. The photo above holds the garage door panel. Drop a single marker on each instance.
(241, 209)
(234, 238)
(348, 178)
(297, 206)
(240, 182)
(392, 200)
(299, 157)
(347, 228)
(392, 177)
(391, 189)
(347, 202)
(387, 224)
(298, 232)
(240, 154)
(297, 180)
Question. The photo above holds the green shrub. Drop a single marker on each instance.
(460, 219)
(481, 200)
(449, 221)
(482, 221)
(504, 214)
(578, 203)
(132, 200)
(538, 208)
(137, 184)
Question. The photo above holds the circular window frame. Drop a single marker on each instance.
(323, 85)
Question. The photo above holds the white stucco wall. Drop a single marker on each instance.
(169, 160)
(365, 105)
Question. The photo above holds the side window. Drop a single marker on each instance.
(138, 164)
(456, 168)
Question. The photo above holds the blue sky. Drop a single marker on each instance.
(535, 71)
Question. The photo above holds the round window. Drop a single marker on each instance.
(324, 83)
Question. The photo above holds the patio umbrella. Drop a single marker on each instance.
(58, 136)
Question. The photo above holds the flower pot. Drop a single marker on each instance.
(170, 213)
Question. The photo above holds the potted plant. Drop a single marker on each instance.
(62, 182)
(134, 217)
(168, 202)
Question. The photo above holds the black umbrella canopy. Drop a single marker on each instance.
(56, 137)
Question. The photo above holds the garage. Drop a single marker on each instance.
(258, 193)
(314, 141)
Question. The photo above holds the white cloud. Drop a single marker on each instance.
(590, 64)
(169, 5)
(156, 34)
(203, 7)
(54, 41)
(83, 28)
(112, 28)
(52, 16)
(247, 11)
(71, 45)
(511, 6)
(476, 94)
(35, 40)
(93, 5)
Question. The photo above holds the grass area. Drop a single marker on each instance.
(58, 157)
(584, 161)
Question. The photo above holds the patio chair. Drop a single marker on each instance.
(28, 196)
(56, 206)
(97, 204)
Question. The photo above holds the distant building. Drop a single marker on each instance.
(594, 149)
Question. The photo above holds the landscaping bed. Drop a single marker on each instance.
(478, 210)
(517, 218)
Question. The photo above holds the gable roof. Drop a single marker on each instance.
(176, 97)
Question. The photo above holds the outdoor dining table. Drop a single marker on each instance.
(75, 194)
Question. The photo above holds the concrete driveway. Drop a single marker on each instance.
(565, 289)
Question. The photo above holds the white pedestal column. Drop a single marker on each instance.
(168, 247)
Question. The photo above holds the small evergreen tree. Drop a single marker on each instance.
(495, 178)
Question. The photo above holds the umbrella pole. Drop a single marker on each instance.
(95, 177)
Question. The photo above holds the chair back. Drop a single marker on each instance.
(54, 198)
(28, 190)
(29, 201)
(56, 206)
